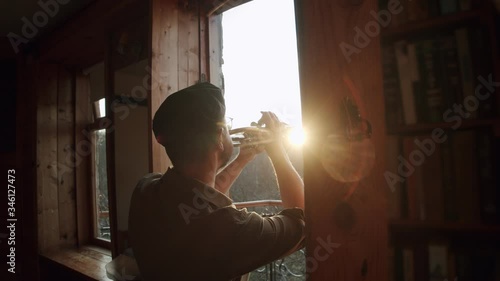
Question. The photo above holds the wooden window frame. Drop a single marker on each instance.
(98, 124)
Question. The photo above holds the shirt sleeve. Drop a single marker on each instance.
(252, 241)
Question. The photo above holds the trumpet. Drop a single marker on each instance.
(251, 136)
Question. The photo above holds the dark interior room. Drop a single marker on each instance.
(376, 156)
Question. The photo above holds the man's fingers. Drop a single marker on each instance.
(264, 120)
(270, 120)
(259, 149)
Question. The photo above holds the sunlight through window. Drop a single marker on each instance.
(261, 74)
(260, 62)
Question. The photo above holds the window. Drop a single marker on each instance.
(100, 204)
(100, 233)
(260, 73)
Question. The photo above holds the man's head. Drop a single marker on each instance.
(190, 124)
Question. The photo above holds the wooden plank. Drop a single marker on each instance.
(48, 206)
(82, 180)
(109, 85)
(183, 48)
(164, 65)
(65, 143)
(193, 40)
(85, 261)
(204, 48)
(356, 223)
(215, 49)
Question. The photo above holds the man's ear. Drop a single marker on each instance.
(220, 139)
(220, 135)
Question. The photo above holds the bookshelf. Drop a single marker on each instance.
(443, 148)
(437, 22)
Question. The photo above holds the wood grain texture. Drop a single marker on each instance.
(193, 49)
(174, 60)
(164, 61)
(84, 261)
(82, 179)
(47, 185)
(65, 143)
(204, 48)
(215, 50)
(359, 223)
(182, 48)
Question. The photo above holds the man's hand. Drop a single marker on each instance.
(274, 149)
(248, 153)
(290, 183)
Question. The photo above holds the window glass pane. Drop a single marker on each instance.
(101, 205)
(102, 108)
(261, 74)
(96, 76)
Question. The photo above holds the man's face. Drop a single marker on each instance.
(228, 148)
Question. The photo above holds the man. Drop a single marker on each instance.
(182, 226)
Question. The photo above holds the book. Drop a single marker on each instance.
(399, 273)
(413, 160)
(465, 164)
(402, 17)
(488, 189)
(433, 180)
(449, 181)
(430, 98)
(406, 60)
(408, 264)
(465, 61)
(394, 192)
(438, 262)
(392, 89)
(404, 264)
(480, 49)
(451, 83)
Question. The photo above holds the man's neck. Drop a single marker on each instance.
(203, 171)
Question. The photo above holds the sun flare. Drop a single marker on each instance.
(297, 136)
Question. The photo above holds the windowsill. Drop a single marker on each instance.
(87, 260)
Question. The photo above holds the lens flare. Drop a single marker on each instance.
(297, 136)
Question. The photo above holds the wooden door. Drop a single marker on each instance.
(346, 221)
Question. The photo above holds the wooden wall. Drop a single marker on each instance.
(83, 117)
(56, 200)
(175, 59)
(351, 215)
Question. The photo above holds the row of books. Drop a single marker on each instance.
(426, 77)
(416, 10)
(453, 181)
(440, 262)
